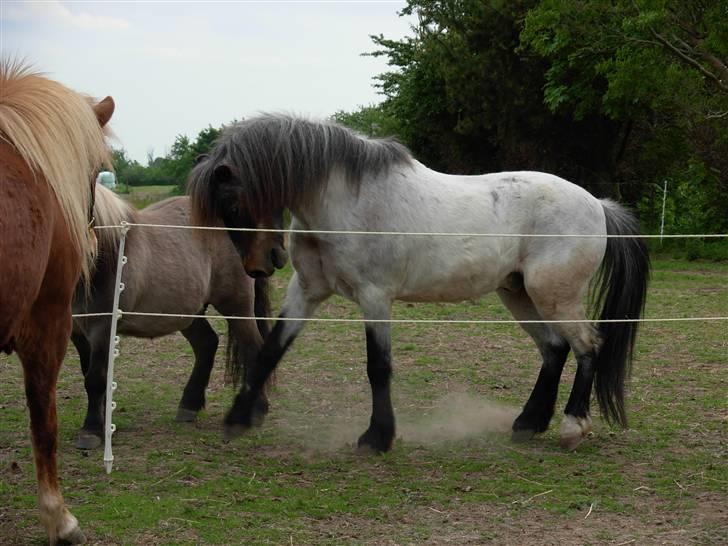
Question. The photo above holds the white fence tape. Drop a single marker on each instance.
(436, 233)
(109, 427)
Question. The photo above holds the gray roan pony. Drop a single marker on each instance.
(168, 271)
(333, 179)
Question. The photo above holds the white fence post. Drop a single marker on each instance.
(109, 427)
(662, 222)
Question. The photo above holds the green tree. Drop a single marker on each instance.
(469, 99)
(658, 69)
(128, 171)
(372, 120)
(184, 153)
(616, 96)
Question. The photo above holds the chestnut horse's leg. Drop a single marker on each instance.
(41, 351)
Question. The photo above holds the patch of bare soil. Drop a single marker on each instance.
(467, 524)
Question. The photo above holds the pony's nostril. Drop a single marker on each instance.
(258, 274)
(279, 258)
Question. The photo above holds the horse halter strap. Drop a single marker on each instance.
(92, 206)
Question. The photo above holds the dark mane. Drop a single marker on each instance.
(283, 160)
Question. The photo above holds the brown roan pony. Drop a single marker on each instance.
(51, 147)
(178, 272)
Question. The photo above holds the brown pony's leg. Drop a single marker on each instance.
(204, 342)
(41, 360)
(42, 353)
(41, 345)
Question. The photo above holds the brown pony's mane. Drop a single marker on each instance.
(56, 132)
(110, 210)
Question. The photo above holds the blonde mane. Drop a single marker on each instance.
(55, 130)
(110, 210)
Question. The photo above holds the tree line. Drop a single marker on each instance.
(618, 96)
(168, 170)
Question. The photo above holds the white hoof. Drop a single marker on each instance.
(574, 430)
(74, 536)
(61, 525)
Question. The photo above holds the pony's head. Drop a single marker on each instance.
(263, 165)
(223, 198)
(103, 110)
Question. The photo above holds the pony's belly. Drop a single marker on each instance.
(454, 289)
(151, 327)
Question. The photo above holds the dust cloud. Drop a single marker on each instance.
(457, 416)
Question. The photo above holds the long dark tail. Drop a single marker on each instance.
(240, 352)
(621, 292)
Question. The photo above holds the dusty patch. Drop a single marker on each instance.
(458, 416)
(464, 524)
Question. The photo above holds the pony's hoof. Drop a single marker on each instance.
(573, 431)
(234, 431)
(522, 435)
(75, 536)
(87, 440)
(261, 407)
(185, 415)
(374, 442)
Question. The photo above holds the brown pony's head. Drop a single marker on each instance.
(262, 252)
(103, 110)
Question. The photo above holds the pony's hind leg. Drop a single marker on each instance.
(204, 342)
(93, 350)
(554, 349)
(562, 300)
(83, 347)
(41, 352)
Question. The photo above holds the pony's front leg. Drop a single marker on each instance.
(204, 342)
(380, 434)
(250, 404)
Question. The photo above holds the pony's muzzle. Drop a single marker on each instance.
(276, 260)
(279, 257)
(259, 273)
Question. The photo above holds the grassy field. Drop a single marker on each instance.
(453, 476)
(143, 196)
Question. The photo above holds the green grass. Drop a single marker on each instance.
(452, 476)
(143, 196)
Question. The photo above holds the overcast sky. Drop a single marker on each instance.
(177, 67)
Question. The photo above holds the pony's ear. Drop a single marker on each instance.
(104, 110)
(200, 158)
(222, 173)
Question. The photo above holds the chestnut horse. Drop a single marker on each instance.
(52, 145)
